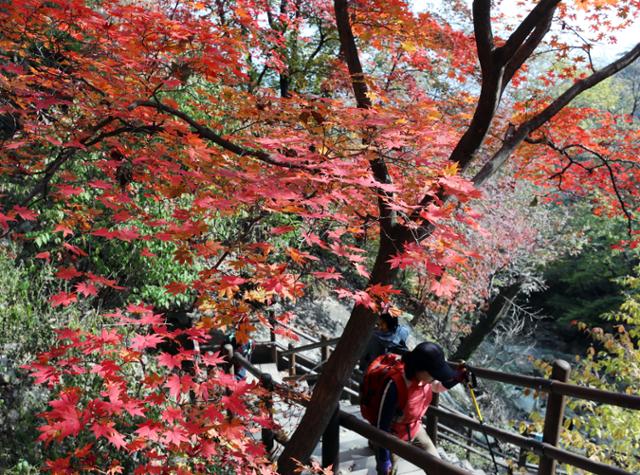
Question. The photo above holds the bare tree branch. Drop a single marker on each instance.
(483, 33)
(532, 21)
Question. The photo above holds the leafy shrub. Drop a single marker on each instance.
(26, 323)
(121, 400)
(608, 433)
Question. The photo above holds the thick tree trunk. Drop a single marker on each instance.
(488, 321)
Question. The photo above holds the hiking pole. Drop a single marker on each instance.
(473, 383)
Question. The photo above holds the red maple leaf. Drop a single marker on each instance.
(116, 439)
(64, 229)
(281, 230)
(68, 190)
(74, 249)
(446, 287)
(63, 298)
(127, 235)
(462, 188)
(175, 436)
(170, 361)
(25, 213)
(141, 342)
(178, 385)
(68, 273)
(43, 374)
(150, 430)
(147, 253)
(105, 233)
(4, 221)
(59, 465)
(212, 359)
(134, 407)
(329, 274)
(100, 429)
(176, 288)
(235, 405)
(86, 289)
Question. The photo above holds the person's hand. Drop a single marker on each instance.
(385, 468)
(463, 375)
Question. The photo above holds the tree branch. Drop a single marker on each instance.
(605, 162)
(532, 20)
(579, 87)
(483, 33)
(67, 153)
(526, 49)
(360, 91)
(207, 133)
(522, 132)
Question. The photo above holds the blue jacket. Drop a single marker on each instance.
(385, 342)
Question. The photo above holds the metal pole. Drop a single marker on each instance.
(554, 416)
(472, 393)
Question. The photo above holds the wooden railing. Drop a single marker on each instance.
(331, 436)
(557, 388)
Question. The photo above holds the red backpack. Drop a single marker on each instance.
(383, 368)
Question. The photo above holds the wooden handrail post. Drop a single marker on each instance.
(324, 350)
(292, 362)
(267, 433)
(432, 420)
(554, 416)
(228, 353)
(331, 442)
(272, 338)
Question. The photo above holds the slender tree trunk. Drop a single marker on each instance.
(487, 322)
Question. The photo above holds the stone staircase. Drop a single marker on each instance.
(356, 457)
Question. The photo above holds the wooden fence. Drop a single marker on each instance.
(557, 388)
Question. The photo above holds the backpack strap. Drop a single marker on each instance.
(397, 375)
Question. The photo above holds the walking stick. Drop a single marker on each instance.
(473, 383)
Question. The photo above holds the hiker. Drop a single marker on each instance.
(396, 393)
(389, 337)
(245, 349)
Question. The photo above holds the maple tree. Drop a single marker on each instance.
(148, 124)
(510, 267)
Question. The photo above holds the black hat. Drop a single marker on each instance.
(429, 357)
